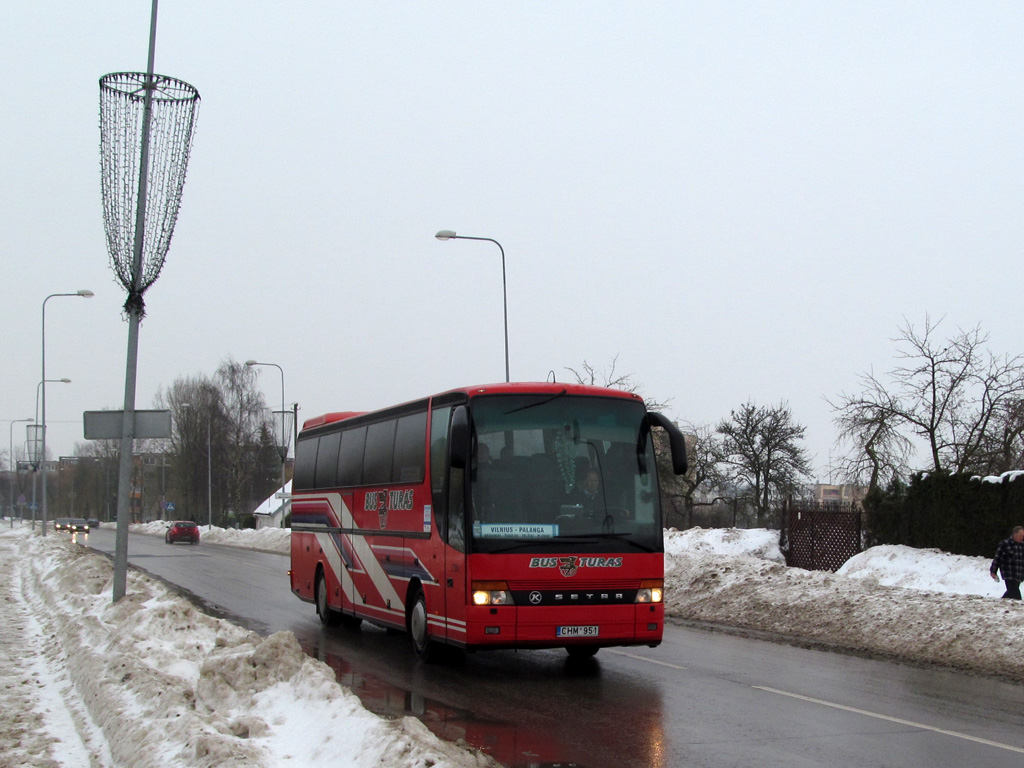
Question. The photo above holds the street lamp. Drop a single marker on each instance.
(40, 445)
(85, 294)
(282, 445)
(447, 234)
(33, 442)
(14, 464)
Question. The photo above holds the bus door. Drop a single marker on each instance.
(456, 584)
(448, 492)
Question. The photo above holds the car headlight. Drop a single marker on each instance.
(491, 593)
(651, 591)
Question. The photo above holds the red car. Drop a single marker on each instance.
(182, 530)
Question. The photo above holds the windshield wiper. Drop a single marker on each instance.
(534, 405)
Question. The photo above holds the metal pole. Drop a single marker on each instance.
(449, 235)
(284, 437)
(284, 451)
(43, 433)
(209, 473)
(14, 464)
(134, 308)
(85, 294)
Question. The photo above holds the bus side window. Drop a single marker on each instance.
(378, 457)
(327, 461)
(350, 456)
(305, 463)
(409, 438)
(439, 465)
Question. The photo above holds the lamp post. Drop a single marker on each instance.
(282, 445)
(33, 443)
(85, 294)
(42, 434)
(14, 464)
(447, 234)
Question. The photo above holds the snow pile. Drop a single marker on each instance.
(926, 569)
(730, 542)
(152, 681)
(266, 539)
(965, 626)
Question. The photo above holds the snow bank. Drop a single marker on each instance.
(152, 681)
(708, 578)
(924, 569)
(266, 539)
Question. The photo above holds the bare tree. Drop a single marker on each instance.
(249, 450)
(761, 452)
(878, 451)
(197, 419)
(221, 447)
(1002, 449)
(952, 394)
(609, 378)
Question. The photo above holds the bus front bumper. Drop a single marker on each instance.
(556, 627)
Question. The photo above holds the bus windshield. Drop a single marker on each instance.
(558, 472)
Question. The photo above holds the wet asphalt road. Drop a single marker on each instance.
(700, 699)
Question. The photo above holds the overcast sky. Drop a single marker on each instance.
(739, 201)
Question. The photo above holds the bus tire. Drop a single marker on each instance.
(424, 648)
(328, 617)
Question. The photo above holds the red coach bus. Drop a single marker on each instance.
(502, 516)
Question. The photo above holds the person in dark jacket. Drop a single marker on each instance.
(1009, 560)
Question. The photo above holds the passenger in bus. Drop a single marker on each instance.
(483, 454)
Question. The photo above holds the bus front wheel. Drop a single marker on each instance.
(422, 645)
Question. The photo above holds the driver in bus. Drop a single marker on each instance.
(590, 496)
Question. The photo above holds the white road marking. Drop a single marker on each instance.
(644, 658)
(898, 720)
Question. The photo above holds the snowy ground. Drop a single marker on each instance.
(152, 681)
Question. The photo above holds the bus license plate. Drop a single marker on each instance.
(577, 631)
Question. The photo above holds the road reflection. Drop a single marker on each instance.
(637, 740)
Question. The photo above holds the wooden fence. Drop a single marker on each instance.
(820, 537)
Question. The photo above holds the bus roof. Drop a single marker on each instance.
(330, 418)
(504, 388)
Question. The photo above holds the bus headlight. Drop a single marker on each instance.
(491, 593)
(651, 591)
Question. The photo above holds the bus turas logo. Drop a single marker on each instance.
(383, 502)
(569, 566)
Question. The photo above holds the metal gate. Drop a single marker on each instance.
(821, 537)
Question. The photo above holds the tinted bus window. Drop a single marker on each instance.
(410, 447)
(305, 463)
(379, 453)
(350, 458)
(438, 450)
(327, 461)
